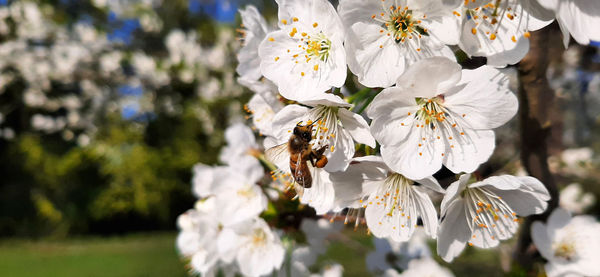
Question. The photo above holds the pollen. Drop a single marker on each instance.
(271, 39)
(513, 38)
(284, 21)
(332, 148)
(276, 58)
(315, 25)
(473, 31)
(295, 19)
(493, 36)
(316, 67)
(301, 73)
(527, 34)
(456, 13)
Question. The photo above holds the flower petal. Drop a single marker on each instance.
(453, 232)
(418, 157)
(430, 77)
(466, 150)
(426, 211)
(484, 102)
(372, 56)
(357, 126)
(393, 116)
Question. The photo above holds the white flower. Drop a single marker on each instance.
(403, 252)
(241, 148)
(316, 231)
(425, 267)
(500, 30)
(335, 131)
(437, 114)
(574, 161)
(485, 212)
(305, 57)
(234, 189)
(392, 202)
(255, 30)
(386, 37)
(258, 249)
(263, 105)
(570, 245)
(197, 238)
(335, 270)
(183, 47)
(575, 200)
(579, 18)
(335, 127)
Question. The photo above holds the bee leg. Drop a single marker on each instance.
(320, 151)
(320, 160)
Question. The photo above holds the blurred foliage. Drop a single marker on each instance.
(135, 173)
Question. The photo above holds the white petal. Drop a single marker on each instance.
(432, 184)
(227, 244)
(326, 99)
(357, 126)
(256, 29)
(426, 211)
(430, 77)
(484, 100)
(539, 235)
(352, 11)
(393, 116)
(310, 11)
(454, 231)
(442, 24)
(321, 195)
(372, 56)
(483, 238)
(344, 149)
(286, 119)
(362, 178)
(525, 195)
(468, 149)
(418, 157)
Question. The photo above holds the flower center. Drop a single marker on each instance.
(565, 249)
(400, 23)
(246, 192)
(259, 238)
(395, 196)
(490, 213)
(431, 110)
(318, 47)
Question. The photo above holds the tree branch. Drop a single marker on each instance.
(536, 112)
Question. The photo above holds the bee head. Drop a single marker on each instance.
(304, 132)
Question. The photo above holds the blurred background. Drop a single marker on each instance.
(106, 105)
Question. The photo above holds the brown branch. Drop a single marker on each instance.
(536, 114)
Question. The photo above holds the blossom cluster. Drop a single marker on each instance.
(419, 111)
(69, 77)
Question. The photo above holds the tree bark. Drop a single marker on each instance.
(536, 113)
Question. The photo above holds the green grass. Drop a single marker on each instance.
(153, 254)
(128, 256)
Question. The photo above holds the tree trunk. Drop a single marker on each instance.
(536, 114)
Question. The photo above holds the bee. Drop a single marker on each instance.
(300, 154)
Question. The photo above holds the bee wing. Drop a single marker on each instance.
(280, 156)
